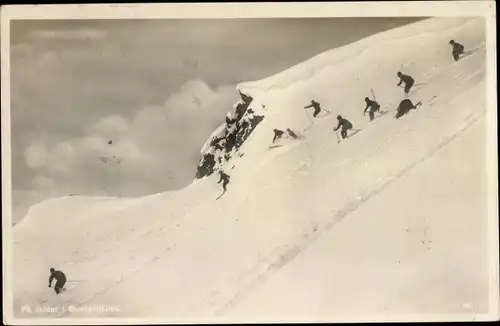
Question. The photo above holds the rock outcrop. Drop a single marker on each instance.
(240, 122)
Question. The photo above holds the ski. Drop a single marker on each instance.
(322, 116)
(354, 133)
(220, 195)
(381, 114)
(432, 99)
(469, 52)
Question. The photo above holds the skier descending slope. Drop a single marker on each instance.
(277, 134)
(316, 106)
(292, 134)
(408, 80)
(458, 49)
(373, 106)
(405, 106)
(60, 280)
(224, 178)
(345, 124)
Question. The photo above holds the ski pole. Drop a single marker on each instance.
(308, 117)
(373, 93)
(336, 134)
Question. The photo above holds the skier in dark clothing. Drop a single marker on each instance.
(405, 106)
(316, 106)
(60, 280)
(345, 124)
(292, 134)
(224, 178)
(408, 80)
(277, 134)
(373, 106)
(458, 49)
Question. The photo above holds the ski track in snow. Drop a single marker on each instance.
(246, 236)
(293, 252)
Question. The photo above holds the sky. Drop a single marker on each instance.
(155, 88)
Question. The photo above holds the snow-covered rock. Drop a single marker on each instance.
(228, 138)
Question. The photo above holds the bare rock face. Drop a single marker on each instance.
(207, 166)
(240, 122)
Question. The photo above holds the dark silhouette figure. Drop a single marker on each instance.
(458, 49)
(345, 124)
(316, 106)
(224, 178)
(292, 134)
(110, 142)
(405, 106)
(60, 280)
(408, 80)
(277, 134)
(373, 106)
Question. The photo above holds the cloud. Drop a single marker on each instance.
(36, 155)
(43, 183)
(82, 33)
(60, 158)
(154, 150)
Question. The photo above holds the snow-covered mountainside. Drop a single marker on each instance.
(185, 256)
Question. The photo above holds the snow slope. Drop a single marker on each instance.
(301, 224)
(418, 256)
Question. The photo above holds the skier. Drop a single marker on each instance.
(408, 80)
(316, 106)
(60, 280)
(345, 124)
(224, 178)
(458, 49)
(277, 134)
(373, 106)
(405, 106)
(292, 134)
